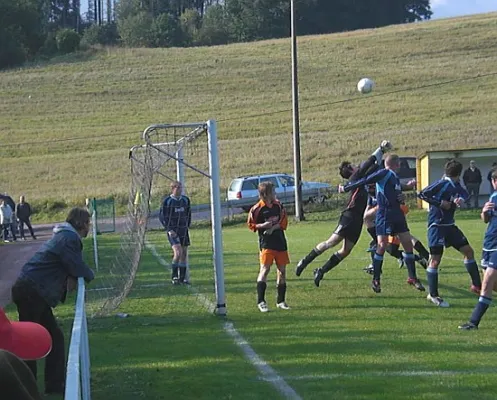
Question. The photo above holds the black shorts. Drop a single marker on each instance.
(182, 238)
(349, 227)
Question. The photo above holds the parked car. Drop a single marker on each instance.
(407, 171)
(243, 192)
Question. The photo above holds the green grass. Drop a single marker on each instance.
(121, 91)
(339, 341)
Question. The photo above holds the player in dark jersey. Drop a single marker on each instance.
(489, 216)
(444, 197)
(390, 219)
(350, 224)
(268, 218)
(176, 217)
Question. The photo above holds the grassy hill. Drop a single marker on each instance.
(109, 96)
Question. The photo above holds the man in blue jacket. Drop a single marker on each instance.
(43, 283)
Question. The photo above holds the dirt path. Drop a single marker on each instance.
(13, 256)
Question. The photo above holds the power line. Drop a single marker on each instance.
(350, 99)
(269, 113)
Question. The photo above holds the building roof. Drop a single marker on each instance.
(455, 150)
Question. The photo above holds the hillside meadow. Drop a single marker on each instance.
(67, 124)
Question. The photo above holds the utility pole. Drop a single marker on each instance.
(297, 164)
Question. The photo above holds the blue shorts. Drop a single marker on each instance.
(390, 224)
(440, 236)
(492, 262)
(486, 256)
(182, 238)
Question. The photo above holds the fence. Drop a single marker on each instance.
(78, 363)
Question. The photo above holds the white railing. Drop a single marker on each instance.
(78, 363)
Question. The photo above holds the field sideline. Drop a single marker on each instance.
(339, 341)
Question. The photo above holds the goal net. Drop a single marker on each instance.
(142, 264)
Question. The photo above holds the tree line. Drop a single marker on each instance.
(30, 28)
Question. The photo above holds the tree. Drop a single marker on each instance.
(214, 29)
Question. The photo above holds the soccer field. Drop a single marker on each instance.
(339, 341)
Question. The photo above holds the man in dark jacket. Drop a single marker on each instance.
(23, 214)
(472, 181)
(43, 283)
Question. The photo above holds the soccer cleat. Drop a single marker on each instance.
(423, 262)
(438, 301)
(401, 262)
(186, 282)
(416, 283)
(175, 281)
(283, 305)
(369, 269)
(475, 289)
(468, 326)
(300, 267)
(262, 306)
(375, 285)
(318, 276)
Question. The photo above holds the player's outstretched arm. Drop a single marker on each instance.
(372, 163)
(373, 178)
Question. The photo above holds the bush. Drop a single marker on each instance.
(215, 27)
(165, 31)
(49, 47)
(135, 30)
(12, 52)
(106, 35)
(67, 40)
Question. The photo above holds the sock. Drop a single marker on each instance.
(418, 246)
(311, 256)
(174, 273)
(182, 272)
(394, 251)
(480, 309)
(281, 293)
(377, 265)
(411, 267)
(261, 291)
(472, 269)
(372, 257)
(432, 277)
(372, 233)
(332, 262)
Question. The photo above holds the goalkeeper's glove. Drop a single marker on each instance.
(385, 146)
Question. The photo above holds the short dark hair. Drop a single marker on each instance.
(392, 159)
(78, 217)
(453, 168)
(345, 169)
(493, 173)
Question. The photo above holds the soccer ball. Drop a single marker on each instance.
(365, 85)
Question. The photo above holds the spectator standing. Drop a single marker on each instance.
(43, 283)
(489, 177)
(23, 214)
(472, 180)
(6, 218)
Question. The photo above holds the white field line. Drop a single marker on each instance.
(267, 373)
(413, 373)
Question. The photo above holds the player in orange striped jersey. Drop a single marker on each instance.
(269, 219)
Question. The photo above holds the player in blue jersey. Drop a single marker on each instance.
(489, 216)
(176, 217)
(444, 197)
(390, 219)
(350, 223)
